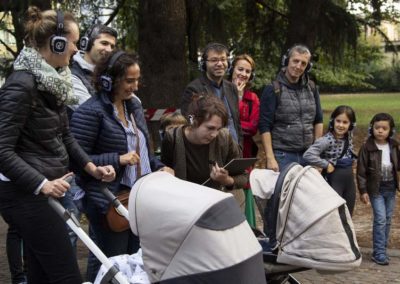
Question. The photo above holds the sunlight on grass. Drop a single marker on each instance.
(365, 106)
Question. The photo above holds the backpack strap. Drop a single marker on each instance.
(277, 90)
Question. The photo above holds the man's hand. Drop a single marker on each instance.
(57, 187)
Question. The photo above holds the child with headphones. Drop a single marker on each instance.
(333, 152)
(377, 179)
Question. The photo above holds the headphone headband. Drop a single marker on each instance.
(58, 42)
(60, 22)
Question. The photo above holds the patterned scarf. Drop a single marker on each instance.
(56, 82)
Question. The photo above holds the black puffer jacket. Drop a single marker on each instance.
(35, 141)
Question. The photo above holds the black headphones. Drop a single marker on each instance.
(86, 41)
(286, 57)
(58, 42)
(382, 117)
(340, 110)
(211, 46)
(106, 80)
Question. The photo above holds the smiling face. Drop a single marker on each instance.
(127, 85)
(381, 130)
(341, 125)
(217, 64)
(207, 131)
(101, 49)
(242, 71)
(297, 65)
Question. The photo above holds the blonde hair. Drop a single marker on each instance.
(40, 26)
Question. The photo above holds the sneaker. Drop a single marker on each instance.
(380, 261)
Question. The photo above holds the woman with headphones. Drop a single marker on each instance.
(242, 73)
(111, 128)
(334, 153)
(36, 146)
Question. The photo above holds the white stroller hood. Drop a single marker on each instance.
(189, 232)
(314, 227)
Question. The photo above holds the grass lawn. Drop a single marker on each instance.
(364, 105)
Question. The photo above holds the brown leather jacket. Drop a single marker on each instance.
(369, 166)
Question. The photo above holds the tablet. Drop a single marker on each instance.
(237, 166)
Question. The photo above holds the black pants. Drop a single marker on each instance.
(15, 256)
(342, 181)
(49, 254)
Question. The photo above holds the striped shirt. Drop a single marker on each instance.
(129, 177)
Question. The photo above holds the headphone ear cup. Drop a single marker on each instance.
(84, 43)
(331, 124)
(309, 67)
(284, 60)
(58, 44)
(106, 83)
(252, 76)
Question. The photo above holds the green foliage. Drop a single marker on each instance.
(355, 72)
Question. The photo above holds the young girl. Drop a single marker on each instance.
(333, 152)
(377, 180)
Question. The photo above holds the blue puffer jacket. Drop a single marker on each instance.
(103, 138)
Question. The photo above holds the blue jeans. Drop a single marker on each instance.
(382, 205)
(73, 206)
(284, 158)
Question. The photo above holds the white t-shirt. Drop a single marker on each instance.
(387, 167)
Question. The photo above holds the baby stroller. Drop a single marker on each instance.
(189, 234)
(311, 223)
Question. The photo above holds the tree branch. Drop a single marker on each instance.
(381, 32)
(9, 49)
(114, 13)
(265, 5)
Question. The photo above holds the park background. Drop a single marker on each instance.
(354, 44)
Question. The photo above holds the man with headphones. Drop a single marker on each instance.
(290, 117)
(290, 111)
(95, 47)
(214, 64)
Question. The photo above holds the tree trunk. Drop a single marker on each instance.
(162, 31)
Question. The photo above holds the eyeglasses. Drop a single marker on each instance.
(216, 60)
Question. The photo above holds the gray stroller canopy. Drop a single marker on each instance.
(191, 233)
(313, 225)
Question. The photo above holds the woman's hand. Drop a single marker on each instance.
(103, 173)
(221, 176)
(130, 158)
(57, 187)
(240, 86)
(168, 170)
